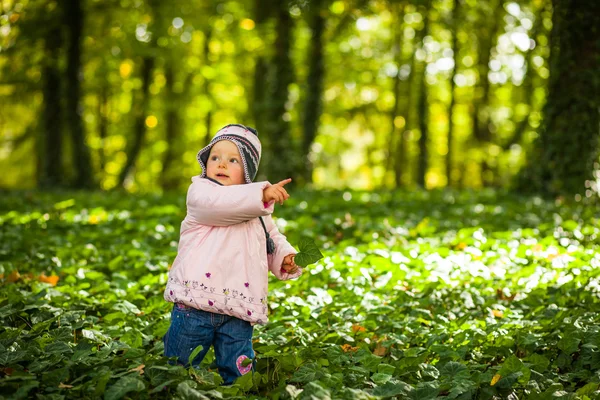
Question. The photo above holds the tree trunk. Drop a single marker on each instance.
(84, 177)
(51, 171)
(401, 155)
(423, 110)
(316, 72)
(455, 17)
(481, 102)
(206, 89)
(171, 128)
(103, 121)
(261, 69)
(481, 129)
(281, 162)
(565, 154)
(140, 110)
(394, 137)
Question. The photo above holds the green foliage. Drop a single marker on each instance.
(309, 253)
(212, 63)
(420, 295)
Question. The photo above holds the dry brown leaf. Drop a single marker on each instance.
(139, 369)
(500, 294)
(63, 386)
(498, 313)
(13, 276)
(346, 348)
(357, 328)
(52, 279)
(380, 349)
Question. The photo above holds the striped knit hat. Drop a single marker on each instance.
(247, 142)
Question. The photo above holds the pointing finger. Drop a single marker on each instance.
(284, 182)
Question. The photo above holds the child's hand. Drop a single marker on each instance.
(289, 265)
(276, 192)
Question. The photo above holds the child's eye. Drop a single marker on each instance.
(214, 158)
(234, 160)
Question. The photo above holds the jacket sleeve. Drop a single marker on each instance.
(282, 249)
(211, 204)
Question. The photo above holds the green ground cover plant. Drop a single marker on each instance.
(420, 295)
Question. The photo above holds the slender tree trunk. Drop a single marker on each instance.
(171, 127)
(140, 111)
(401, 156)
(260, 93)
(423, 110)
(565, 155)
(395, 137)
(315, 79)
(481, 102)
(455, 17)
(481, 129)
(51, 171)
(84, 177)
(103, 112)
(282, 164)
(206, 88)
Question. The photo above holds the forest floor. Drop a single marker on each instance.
(421, 295)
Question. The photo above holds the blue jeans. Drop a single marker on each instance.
(232, 338)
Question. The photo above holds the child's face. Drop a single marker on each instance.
(225, 164)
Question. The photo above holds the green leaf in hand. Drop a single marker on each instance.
(309, 253)
(246, 362)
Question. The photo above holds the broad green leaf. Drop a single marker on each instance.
(513, 365)
(188, 392)
(393, 389)
(380, 378)
(569, 344)
(245, 382)
(386, 369)
(313, 390)
(309, 253)
(60, 348)
(588, 389)
(124, 385)
(425, 391)
(539, 362)
(454, 370)
(306, 373)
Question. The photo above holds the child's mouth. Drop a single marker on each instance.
(222, 176)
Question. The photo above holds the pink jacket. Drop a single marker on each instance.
(222, 263)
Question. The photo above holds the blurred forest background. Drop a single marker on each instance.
(106, 94)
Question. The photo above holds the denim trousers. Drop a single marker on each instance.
(231, 337)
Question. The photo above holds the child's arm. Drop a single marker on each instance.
(282, 249)
(208, 203)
